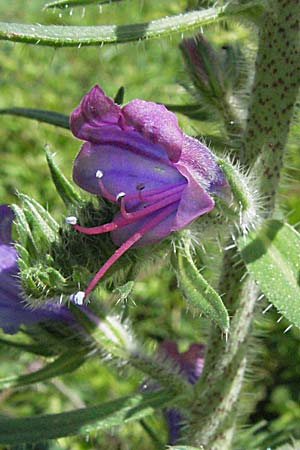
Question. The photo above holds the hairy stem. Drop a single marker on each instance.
(276, 83)
(73, 36)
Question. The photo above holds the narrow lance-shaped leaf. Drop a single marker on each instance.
(36, 349)
(67, 362)
(62, 120)
(185, 447)
(41, 115)
(272, 256)
(199, 294)
(81, 421)
(62, 4)
(73, 36)
(64, 188)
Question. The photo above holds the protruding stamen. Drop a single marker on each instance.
(104, 191)
(99, 174)
(71, 220)
(160, 216)
(148, 209)
(120, 195)
(78, 298)
(100, 229)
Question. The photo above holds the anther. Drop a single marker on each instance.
(140, 186)
(78, 298)
(71, 220)
(99, 174)
(120, 195)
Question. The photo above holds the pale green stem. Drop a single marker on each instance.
(276, 83)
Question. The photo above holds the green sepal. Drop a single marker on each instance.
(43, 226)
(25, 236)
(122, 292)
(119, 97)
(81, 421)
(204, 68)
(41, 115)
(199, 294)
(271, 255)
(243, 207)
(64, 188)
(37, 232)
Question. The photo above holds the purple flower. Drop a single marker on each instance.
(190, 364)
(138, 157)
(13, 309)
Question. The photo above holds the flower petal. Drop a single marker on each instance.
(13, 308)
(198, 160)
(95, 111)
(156, 124)
(194, 202)
(6, 219)
(192, 362)
(126, 163)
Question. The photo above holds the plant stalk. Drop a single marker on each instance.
(214, 412)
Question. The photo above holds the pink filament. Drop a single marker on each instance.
(149, 209)
(97, 230)
(129, 243)
(155, 194)
(105, 192)
(127, 218)
(152, 196)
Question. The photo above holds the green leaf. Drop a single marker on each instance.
(41, 115)
(185, 447)
(73, 36)
(64, 188)
(272, 256)
(81, 421)
(63, 4)
(31, 348)
(67, 362)
(199, 294)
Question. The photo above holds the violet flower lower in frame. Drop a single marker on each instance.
(13, 309)
(138, 157)
(190, 365)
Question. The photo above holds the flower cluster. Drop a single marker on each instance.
(13, 308)
(138, 157)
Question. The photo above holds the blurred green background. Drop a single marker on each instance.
(56, 79)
